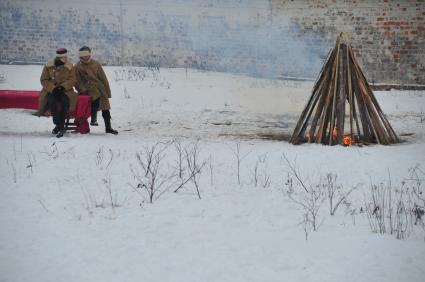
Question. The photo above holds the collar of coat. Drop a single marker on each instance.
(51, 63)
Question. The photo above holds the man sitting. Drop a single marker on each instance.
(58, 79)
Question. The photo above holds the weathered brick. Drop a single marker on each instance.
(257, 37)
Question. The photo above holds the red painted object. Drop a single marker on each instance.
(19, 99)
(28, 99)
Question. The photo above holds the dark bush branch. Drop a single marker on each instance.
(151, 178)
(294, 172)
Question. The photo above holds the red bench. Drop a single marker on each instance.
(28, 99)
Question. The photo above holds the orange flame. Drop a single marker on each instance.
(348, 140)
(334, 133)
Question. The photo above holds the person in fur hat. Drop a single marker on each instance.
(92, 81)
(58, 80)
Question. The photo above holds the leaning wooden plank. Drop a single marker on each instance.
(375, 121)
(393, 138)
(371, 114)
(387, 131)
(350, 93)
(302, 127)
(329, 96)
(326, 109)
(334, 93)
(310, 106)
(328, 63)
(319, 110)
(377, 136)
(340, 115)
(325, 131)
(367, 134)
(305, 116)
(356, 119)
(316, 105)
(390, 131)
(367, 131)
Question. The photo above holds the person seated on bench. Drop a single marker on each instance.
(92, 80)
(58, 95)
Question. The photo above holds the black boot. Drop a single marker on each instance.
(112, 131)
(60, 134)
(107, 118)
(93, 120)
(61, 131)
(55, 130)
(94, 109)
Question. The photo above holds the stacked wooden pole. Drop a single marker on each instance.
(342, 105)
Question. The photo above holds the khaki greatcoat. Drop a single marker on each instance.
(92, 80)
(53, 76)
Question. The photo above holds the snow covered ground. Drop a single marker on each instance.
(75, 208)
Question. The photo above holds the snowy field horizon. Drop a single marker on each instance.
(232, 199)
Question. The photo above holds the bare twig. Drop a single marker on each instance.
(239, 158)
(194, 167)
(310, 199)
(294, 172)
(152, 177)
(332, 188)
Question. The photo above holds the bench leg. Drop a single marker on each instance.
(70, 124)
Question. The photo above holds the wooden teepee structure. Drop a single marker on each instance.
(342, 108)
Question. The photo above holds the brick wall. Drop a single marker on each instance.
(270, 38)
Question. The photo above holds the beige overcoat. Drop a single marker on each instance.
(53, 76)
(92, 80)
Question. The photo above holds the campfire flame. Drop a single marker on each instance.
(347, 139)
(334, 133)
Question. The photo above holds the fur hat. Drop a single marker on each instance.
(61, 52)
(84, 51)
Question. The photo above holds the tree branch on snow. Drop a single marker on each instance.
(395, 209)
(311, 202)
(293, 170)
(180, 161)
(152, 177)
(333, 188)
(194, 167)
(239, 158)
